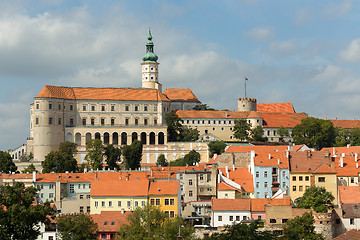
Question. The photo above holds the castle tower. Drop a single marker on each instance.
(247, 104)
(150, 67)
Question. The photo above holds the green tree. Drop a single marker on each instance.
(258, 134)
(6, 163)
(314, 132)
(151, 223)
(19, 216)
(31, 168)
(243, 231)
(217, 147)
(94, 147)
(342, 137)
(301, 228)
(192, 158)
(317, 198)
(27, 158)
(178, 162)
(132, 154)
(174, 126)
(62, 160)
(282, 132)
(242, 130)
(161, 161)
(77, 227)
(203, 107)
(113, 156)
(188, 134)
(355, 137)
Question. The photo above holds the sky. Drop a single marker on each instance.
(304, 52)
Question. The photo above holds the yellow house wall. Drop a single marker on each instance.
(162, 205)
(298, 184)
(115, 199)
(330, 184)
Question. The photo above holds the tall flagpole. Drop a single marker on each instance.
(245, 87)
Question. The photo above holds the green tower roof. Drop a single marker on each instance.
(150, 56)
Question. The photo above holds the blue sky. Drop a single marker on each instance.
(304, 52)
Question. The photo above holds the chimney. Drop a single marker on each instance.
(233, 167)
(333, 151)
(269, 156)
(343, 155)
(357, 165)
(122, 211)
(287, 154)
(215, 156)
(278, 161)
(348, 145)
(249, 168)
(34, 176)
(356, 156)
(341, 162)
(277, 150)
(227, 171)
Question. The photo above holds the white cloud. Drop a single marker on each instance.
(283, 47)
(260, 34)
(336, 10)
(352, 52)
(303, 15)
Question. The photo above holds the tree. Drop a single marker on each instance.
(317, 198)
(94, 147)
(282, 132)
(242, 130)
(217, 147)
(189, 134)
(19, 216)
(26, 158)
(355, 136)
(242, 231)
(203, 107)
(342, 137)
(62, 160)
(151, 223)
(77, 227)
(113, 156)
(192, 158)
(6, 163)
(258, 134)
(174, 126)
(301, 228)
(314, 132)
(31, 168)
(161, 161)
(132, 155)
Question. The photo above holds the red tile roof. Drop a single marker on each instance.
(348, 124)
(352, 234)
(230, 204)
(223, 186)
(259, 204)
(164, 188)
(307, 161)
(323, 168)
(349, 194)
(276, 159)
(212, 114)
(275, 107)
(119, 188)
(181, 95)
(236, 149)
(340, 150)
(349, 166)
(131, 94)
(287, 120)
(241, 176)
(110, 221)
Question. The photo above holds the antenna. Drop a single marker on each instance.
(245, 86)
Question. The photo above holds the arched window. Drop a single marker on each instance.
(134, 136)
(143, 138)
(87, 137)
(97, 136)
(106, 138)
(124, 138)
(78, 138)
(161, 138)
(115, 138)
(152, 138)
(69, 137)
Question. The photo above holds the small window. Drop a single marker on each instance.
(300, 178)
(237, 218)
(145, 108)
(190, 182)
(231, 218)
(50, 105)
(272, 220)
(103, 108)
(83, 121)
(306, 178)
(71, 107)
(157, 202)
(146, 121)
(219, 218)
(105, 223)
(103, 203)
(93, 108)
(59, 107)
(37, 121)
(102, 121)
(301, 188)
(190, 193)
(294, 188)
(50, 120)
(257, 174)
(128, 203)
(81, 209)
(37, 106)
(321, 179)
(126, 121)
(112, 121)
(84, 107)
(152, 202)
(112, 108)
(167, 201)
(352, 222)
(155, 121)
(136, 203)
(136, 121)
(59, 121)
(294, 178)
(92, 121)
(119, 203)
(136, 108)
(284, 220)
(96, 203)
(172, 201)
(81, 196)
(265, 174)
(110, 203)
(201, 177)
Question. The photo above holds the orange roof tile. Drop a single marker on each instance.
(212, 114)
(110, 221)
(349, 194)
(276, 159)
(275, 107)
(230, 204)
(131, 94)
(323, 168)
(287, 120)
(349, 166)
(164, 188)
(307, 161)
(236, 149)
(254, 114)
(119, 188)
(352, 234)
(223, 186)
(340, 150)
(241, 176)
(259, 204)
(181, 95)
(348, 124)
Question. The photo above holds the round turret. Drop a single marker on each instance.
(246, 104)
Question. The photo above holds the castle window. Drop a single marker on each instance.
(214, 122)
(93, 108)
(112, 108)
(127, 108)
(83, 121)
(102, 121)
(145, 121)
(50, 120)
(59, 107)
(50, 105)
(37, 121)
(59, 122)
(112, 121)
(126, 121)
(71, 107)
(136, 108)
(71, 121)
(92, 121)
(155, 121)
(37, 106)
(145, 108)
(155, 108)
(84, 107)
(103, 108)
(136, 121)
